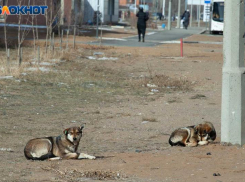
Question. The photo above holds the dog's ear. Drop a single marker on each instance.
(81, 128)
(66, 131)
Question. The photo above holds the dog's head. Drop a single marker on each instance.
(74, 134)
(202, 132)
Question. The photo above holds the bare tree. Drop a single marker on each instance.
(47, 18)
(33, 29)
(36, 29)
(5, 32)
(21, 33)
(51, 20)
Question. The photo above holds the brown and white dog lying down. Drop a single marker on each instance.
(55, 148)
(192, 136)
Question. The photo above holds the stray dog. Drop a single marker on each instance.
(55, 148)
(192, 136)
(205, 132)
(184, 137)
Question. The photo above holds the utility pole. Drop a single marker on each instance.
(163, 8)
(210, 17)
(233, 87)
(199, 14)
(186, 1)
(135, 7)
(156, 11)
(178, 21)
(97, 25)
(169, 14)
(191, 13)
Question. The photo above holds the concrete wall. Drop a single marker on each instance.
(107, 16)
(90, 6)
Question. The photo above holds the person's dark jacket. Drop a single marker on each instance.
(142, 18)
(187, 17)
(183, 15)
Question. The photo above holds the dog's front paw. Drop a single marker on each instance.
(202, 142)
(91, 157)
(54, 159)
(85, 156)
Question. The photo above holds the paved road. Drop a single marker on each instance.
(153, 38)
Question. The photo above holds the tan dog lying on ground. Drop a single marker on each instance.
(55, 148)
(192, 136)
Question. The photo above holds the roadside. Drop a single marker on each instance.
(153, 38)
(131, 100)
(111, 36)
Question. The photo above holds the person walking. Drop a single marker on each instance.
(186, 19)
(141, 24)
(182, 20)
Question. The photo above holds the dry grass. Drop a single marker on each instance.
(198, 96)
(10, 68)
(150, 119)
(74, 175)
(96, 47)
(69, 70)
(30, 59)
(165, 83)
(97, 175)
(71, 73)
(174, 100)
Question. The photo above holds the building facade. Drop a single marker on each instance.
(108, 8)
(68, 12)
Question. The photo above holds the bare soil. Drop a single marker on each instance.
(205, 38)
(127, 123)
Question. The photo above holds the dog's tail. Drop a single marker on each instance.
(173, 141)
(27, 153)
(170, 142)
(27, 156)
(177, 137)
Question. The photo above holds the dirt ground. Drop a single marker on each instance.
(127, 123)
(205, 38)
